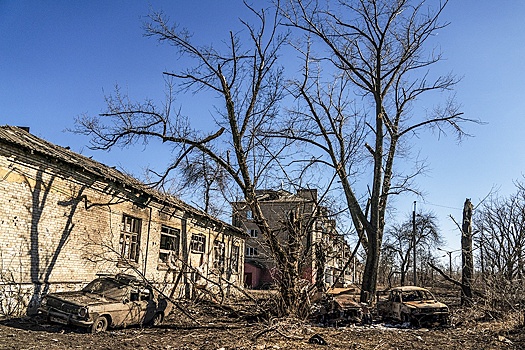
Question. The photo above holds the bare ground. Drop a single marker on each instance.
(222, 329)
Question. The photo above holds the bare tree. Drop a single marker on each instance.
(209, 178)
(388, 268)
(501, 239)
(500, 221)
(246, 78)
(376, 53)
(398, 239)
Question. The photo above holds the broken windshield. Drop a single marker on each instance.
(417, 295)
(107, 288)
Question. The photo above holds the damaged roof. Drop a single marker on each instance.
(22, 138)
(304, 195)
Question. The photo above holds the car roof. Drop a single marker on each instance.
(408, 288)
(123, 279)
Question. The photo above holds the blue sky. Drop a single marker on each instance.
(57, 58)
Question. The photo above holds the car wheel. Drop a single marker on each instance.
(157, 320)
(100, 325)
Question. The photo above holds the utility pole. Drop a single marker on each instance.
(414, 242)
(449, 253)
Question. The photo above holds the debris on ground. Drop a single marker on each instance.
(225, 326)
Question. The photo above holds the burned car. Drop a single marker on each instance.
(108, 301)
(337, 308)
(415, 305)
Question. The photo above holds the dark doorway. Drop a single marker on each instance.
(248, 280)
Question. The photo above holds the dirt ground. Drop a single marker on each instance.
(219, 329)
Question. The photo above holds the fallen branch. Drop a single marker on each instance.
(266, 330)
(278, 328)
(451, 280)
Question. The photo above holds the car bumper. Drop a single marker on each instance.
(441, 318)
(57, 316)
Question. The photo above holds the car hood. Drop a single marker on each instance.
(433, 304)
(346, 302)
(81, 298)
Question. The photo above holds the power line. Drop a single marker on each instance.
(441, 206)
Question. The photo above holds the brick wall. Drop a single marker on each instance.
(60, 226)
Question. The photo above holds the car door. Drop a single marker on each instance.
(395, 306)
(139, 305)
(149, 306)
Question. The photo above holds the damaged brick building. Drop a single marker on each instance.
(65, 217)
(276, 205)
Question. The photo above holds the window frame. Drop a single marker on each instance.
(252, 251)
(219, 255)
(129, 242)
(198, 243)
(235, 257)
(174, 234)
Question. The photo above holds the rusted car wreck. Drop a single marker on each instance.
(108, 301)
(337, 308)
(414, 305)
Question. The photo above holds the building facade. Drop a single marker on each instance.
(65, 218)
(324, 251)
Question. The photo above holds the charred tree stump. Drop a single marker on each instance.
(467, 259)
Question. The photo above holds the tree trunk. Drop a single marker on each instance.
(466, 256)
(369, 284)
(320, 262)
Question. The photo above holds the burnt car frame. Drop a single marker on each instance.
(415, 305)
(108, 301)
(337, 307)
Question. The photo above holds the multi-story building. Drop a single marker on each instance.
(65, 217)
(324, 250)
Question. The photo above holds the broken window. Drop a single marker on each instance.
(235, 258)
(395, 297)
(169, 243)
(250, 251)
(140, 295)
(130, 238)
(198, 243)
(218, 255)
(328, 278)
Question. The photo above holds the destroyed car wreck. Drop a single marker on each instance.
(108, 301)
(414, 305)
(337, 308)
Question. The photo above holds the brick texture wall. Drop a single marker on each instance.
(60, 226)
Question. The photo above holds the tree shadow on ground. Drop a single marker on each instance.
(38, 324)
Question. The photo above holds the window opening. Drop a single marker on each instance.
(250, 251)
(169, 243)
(235, 258)
(130, 238)
(198, 243)
(218, 255)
